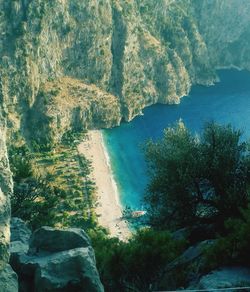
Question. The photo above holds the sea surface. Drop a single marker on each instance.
(226, 102)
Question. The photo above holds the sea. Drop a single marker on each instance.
(228, 101)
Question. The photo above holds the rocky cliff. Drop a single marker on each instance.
(5, 192)
(69, 64)
(129, 54)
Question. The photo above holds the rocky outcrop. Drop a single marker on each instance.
(19, 231)
(226, 277)
(192, 261)
(69, 104)
(5, 192)
(54, 240)
(226, 37)
(54, 260)
(71, 270)
(8, 280)
(19, 240)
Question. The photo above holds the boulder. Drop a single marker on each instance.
(226, 277)
(195, 234)
(191, 254)
(20, 235)
(55, 240)
(8, 280)
(191, 261)
(18, 247)
(57, 260)
(71, 270)
(181, 234)
(19, 230)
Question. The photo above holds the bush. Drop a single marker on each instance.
(35, 201)
(137, 263)
(234, 247)
(20, 162)
(71, 138)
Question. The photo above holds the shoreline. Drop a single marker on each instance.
(109, 209)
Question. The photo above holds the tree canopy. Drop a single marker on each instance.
(197, 179)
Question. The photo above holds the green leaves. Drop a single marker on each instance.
(197, 179)
(137, 263)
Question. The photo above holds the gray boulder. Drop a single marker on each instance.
(191, 254)
(57, 260)
(19, 244)
(8, 280)
(18, 247)
(227, 277)
(55, 240)
(181, 234)
(71, 270)
(191, 260)
(19, 230)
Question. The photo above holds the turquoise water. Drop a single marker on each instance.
(226, 102)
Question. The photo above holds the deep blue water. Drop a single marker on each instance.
(226, 102)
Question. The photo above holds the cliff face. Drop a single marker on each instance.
(69, 104)
(5, 192)
(224, 26)
(70, 64)
(135, 53)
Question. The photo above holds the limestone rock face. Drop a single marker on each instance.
(5, 192)
(69, 104)
(90, 64)
(8, 280)
(226, 37)
(57, 260)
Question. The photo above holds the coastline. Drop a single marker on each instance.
(109, 209)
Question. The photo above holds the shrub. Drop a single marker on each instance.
(136, 263)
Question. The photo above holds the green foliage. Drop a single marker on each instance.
(20, 162)
(197, 180)
(233, 248)
(42, 145)
(34, 200)
(4, 255)
(71, 138)
(52, 188)
(135, 264)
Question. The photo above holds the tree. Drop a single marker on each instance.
(20, 162)
(35, 201)
(197, 179)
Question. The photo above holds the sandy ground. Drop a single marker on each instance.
(109, 210)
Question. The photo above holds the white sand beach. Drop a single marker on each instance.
(109, 210)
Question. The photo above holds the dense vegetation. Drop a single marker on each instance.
(134, 265)
(52, 188)
(197, 179)
(202, 184)
(196, 183)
